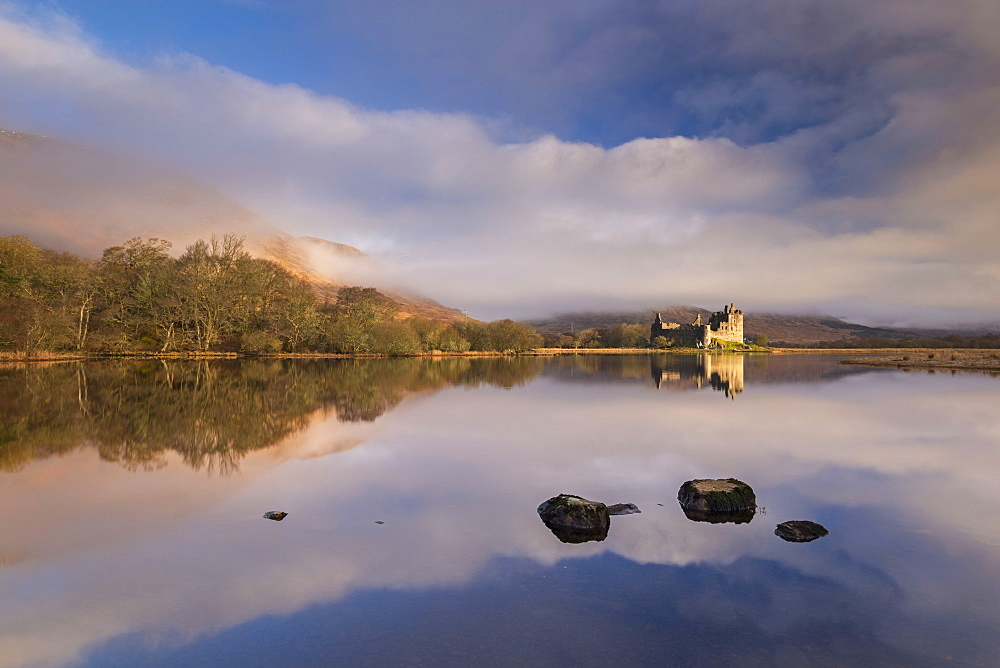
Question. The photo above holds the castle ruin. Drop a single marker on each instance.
(722, 326)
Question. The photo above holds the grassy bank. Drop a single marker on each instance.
(944, 359)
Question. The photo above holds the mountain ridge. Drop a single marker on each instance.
(777, 327)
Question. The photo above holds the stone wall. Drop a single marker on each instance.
(723, 326)
(726, 325)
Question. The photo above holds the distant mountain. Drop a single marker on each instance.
(82, 199)
(777, 327)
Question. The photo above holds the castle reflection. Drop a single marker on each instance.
(723, 373)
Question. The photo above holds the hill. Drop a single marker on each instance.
(83, 199)
(794, 329)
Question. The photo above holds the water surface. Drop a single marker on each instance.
(134, 492)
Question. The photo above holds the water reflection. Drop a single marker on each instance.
(211, 413)
(723, 373)
(902, 579)
(576, 536)
(737, 517)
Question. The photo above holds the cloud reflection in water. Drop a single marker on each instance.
(457, 475)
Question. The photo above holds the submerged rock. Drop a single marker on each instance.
(574, 519)
(726, 495)
(276, 515)
(737, 517)
(623, 509)
(800, 531)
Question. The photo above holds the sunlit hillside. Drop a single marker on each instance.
(82, 199)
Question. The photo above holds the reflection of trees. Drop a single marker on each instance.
(599, 368)
(211, 413)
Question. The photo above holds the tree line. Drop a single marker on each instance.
(214, 297)
(623, 335)
(949, 341)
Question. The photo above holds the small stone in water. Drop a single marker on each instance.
(276, 515)
(800, 531)
(623, 509)
(379, 522)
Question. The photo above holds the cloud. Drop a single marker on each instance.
(845, 160)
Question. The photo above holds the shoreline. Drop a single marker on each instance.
(537, 352)
(944, 359)
(938, 359)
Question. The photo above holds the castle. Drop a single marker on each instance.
(723, 326)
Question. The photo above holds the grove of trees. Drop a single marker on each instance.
(617, 336)
(214, 297)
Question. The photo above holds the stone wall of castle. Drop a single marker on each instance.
(723, 326)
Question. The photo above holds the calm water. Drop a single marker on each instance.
(133, 496)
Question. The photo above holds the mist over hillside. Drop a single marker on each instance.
(81, 199)
(777, 327)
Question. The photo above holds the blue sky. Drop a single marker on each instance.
(602, 72)
(522, 157)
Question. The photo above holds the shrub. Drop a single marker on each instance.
(259, 343)
(660, 343)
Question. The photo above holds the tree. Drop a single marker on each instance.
(213, 295)
(760, 340)
(7, 278)
(135, 284)
(507, 336)
(364, 306)
(299, 317)
(587, 338)
(35, 298)
(626, 336)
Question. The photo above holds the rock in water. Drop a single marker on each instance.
(276, 515)
(800, 531)
(727, 495)
(623, 509)
(574, 519)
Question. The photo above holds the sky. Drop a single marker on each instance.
(523, 158)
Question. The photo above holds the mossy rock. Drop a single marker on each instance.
(276, 515)
(800, 531)
(724, 495)
(574, 519)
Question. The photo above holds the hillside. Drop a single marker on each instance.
(798, 329)
(82, 199)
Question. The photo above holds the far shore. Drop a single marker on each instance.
(945, 359)
(942, 359)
